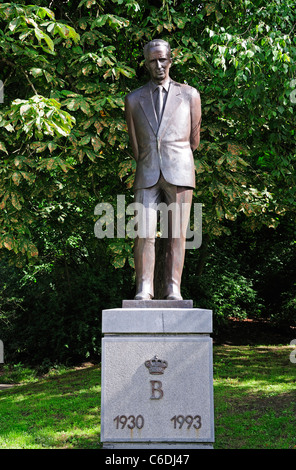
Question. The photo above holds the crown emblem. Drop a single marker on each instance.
(156, 366)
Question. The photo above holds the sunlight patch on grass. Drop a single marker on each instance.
(60, 411)
(255, 405)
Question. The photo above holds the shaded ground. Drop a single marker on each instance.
(249, 331)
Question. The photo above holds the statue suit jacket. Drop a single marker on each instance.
(168, 147)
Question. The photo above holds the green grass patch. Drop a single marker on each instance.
(58, 411)
(254, 397)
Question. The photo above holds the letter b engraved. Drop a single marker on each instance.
(156, 390)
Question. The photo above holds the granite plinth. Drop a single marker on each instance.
(157, 321)
(175, 405)
(144, 408)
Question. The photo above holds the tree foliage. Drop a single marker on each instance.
(66, 68)
(75, 62)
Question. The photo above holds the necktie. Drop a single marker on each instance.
(159, 103)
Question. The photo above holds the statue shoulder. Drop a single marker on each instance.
(185, 88)
(135, 94)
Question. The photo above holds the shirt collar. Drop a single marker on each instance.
(165, 85)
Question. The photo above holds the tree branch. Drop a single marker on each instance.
(29, 81)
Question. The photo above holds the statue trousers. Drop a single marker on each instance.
(172, 203)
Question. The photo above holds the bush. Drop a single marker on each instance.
(52, 314)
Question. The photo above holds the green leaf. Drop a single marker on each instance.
(15, 201)
(96, 143)
(8, 243)
(113, 21)
(180, 21)
(36, 72)
(88, 3)
(85, 140)
(52, 146)
(119, 261)
(91, 155)
(33, 250)
(40, 35)
(28, 177)
(3, 148)
(16, 178)
(199, 167)
(42, 12)
(66, 32)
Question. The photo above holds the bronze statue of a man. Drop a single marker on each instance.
(163, 119)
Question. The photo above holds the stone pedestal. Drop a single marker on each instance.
(157, 379)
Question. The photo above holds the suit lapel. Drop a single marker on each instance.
(148, 108)
(174, 99)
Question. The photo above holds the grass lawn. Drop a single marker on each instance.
(254, 395)
(59, 411)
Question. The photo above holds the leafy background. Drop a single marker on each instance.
(66, 67)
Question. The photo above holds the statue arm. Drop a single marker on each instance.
(195, 120)
(131, 128)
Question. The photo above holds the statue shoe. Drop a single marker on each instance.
(143, 296)
(174, 297)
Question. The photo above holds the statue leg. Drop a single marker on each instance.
(144, 249)
(178, 220)
(144, 255)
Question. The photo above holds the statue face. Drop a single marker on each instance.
(158, 63)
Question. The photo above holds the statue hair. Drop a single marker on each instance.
(154, 43)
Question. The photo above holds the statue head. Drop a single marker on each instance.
(158, 60)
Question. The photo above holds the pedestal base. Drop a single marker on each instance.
(157, 383)
(155, 445)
